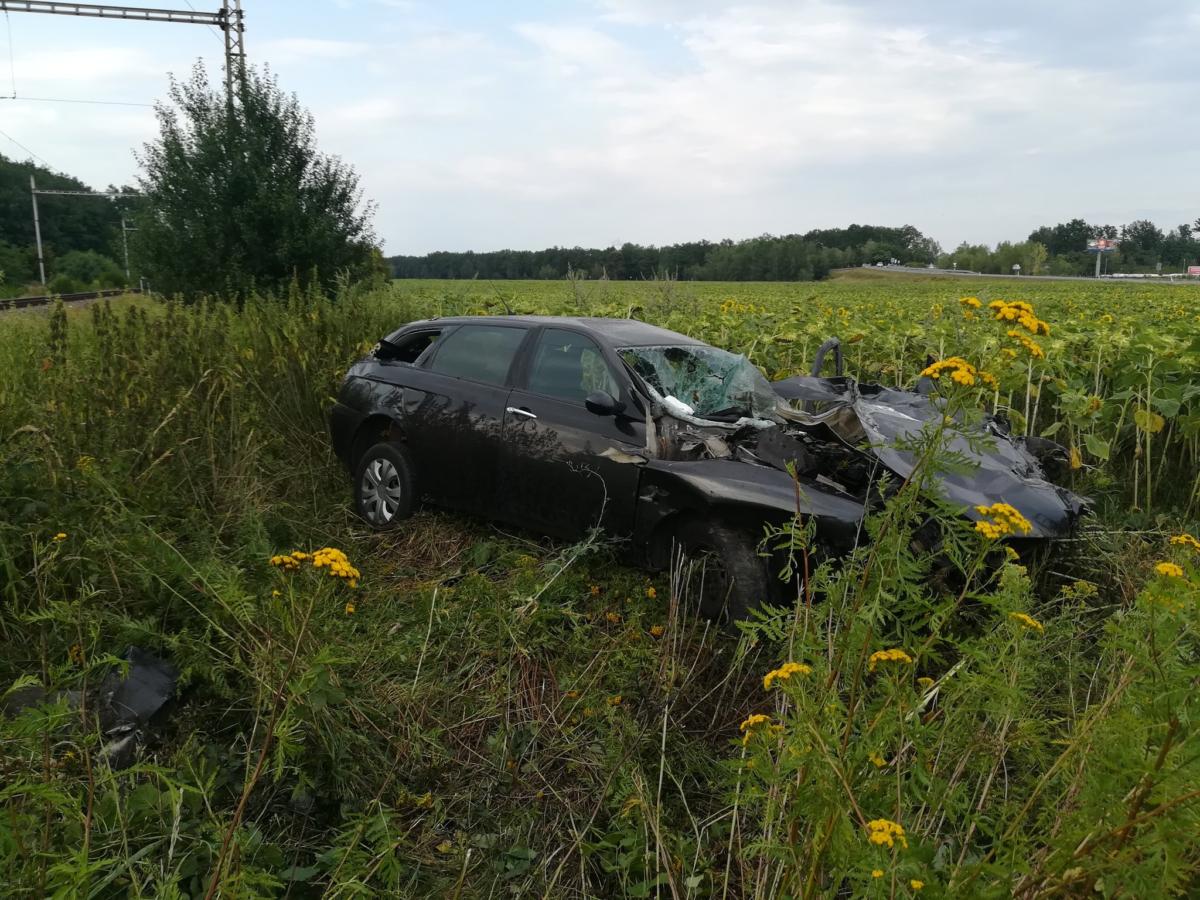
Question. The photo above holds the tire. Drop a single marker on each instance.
(383, 486)
(726, 572)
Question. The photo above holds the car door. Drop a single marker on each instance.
(560, 471)
(453, 413)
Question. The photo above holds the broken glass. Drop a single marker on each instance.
(710, 383)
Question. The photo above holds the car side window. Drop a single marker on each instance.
(478, 352)
(569, 366)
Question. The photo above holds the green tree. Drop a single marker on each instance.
(1141, 242)
(238, 197)
(1037, 254)
(90, 269)
(68, 223)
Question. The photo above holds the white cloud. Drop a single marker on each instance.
(660, 120)
(777, 88)
(573, 49)
(84, 66)
(287, 51)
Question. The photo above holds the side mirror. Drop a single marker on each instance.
(602, 403)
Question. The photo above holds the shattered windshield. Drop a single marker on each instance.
(711, 383)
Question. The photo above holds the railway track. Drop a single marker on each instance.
(23, 302)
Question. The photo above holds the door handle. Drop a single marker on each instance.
(517, 411)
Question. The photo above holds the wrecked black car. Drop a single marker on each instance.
(560, 425)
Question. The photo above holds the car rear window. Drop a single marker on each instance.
(478, 352)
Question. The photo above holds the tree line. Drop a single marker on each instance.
(791, 257)
(1049, 250)
(1062, 250)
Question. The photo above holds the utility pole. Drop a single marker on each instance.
(235, 45)
(228, 18)
(37, 230)
(125, 246)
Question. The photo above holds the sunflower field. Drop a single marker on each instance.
(452, 709)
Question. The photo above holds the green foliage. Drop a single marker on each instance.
(790, 257)
(69, 224)
(90, 269)
(238, 197)
(498, 716)
(1143, 245)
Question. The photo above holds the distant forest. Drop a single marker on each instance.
(792, 257)
(1050, 250)
(81, 236)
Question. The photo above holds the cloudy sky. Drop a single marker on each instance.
(481, 125)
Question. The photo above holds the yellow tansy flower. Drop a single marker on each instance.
(1001, 519)
(784, 672)
(754, 724)
(1186, 540)
(894, 655)
(1027, 621)
(885, 832)
(1169, 569)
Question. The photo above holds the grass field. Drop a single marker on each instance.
(491, 714)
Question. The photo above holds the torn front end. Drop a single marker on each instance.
(718, 427)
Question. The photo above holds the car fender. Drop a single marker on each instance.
(742, 492)
(367, 410)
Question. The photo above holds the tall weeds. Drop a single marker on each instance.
(488, 714)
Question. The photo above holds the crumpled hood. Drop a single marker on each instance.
(997, 467)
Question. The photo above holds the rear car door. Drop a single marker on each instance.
(454, 413)
(554, 474)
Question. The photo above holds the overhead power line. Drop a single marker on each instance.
(216, 33)
(52, 192)
(26, 149)
(77, 100)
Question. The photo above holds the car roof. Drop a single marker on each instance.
(613, 332)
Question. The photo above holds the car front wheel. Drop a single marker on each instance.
(722, 570)
(383, 486)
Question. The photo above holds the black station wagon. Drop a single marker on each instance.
(562, 425)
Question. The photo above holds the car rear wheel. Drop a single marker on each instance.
(722, 571)
(383, 486)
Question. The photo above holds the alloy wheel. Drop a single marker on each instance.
(380, 491)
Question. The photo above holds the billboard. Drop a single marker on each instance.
(1194, 270)
(1102, 245)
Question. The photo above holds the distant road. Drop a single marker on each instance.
(962, 273)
